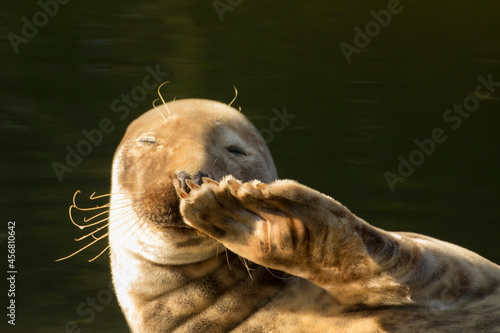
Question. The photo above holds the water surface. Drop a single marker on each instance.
(352, 120)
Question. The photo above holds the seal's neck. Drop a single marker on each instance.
(174, 296)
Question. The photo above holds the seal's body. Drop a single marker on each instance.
(192, 248)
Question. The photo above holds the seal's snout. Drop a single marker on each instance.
(196, 178)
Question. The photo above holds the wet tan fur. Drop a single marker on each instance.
(297, 260)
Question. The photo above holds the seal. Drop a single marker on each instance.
(149, 240)
(205, 238)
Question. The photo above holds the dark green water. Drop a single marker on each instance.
(352, 120)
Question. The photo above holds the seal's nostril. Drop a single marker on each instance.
(183, 176)
(197, 177)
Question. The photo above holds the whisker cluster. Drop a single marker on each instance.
(101, 210)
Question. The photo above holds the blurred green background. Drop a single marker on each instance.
(352, 120)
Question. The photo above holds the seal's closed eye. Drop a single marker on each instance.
(236, 150)
(148, 139)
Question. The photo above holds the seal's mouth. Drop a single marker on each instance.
(160, 203)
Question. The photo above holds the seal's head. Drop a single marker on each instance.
(193, 139)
